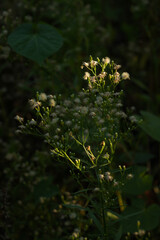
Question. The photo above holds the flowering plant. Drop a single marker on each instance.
(84, 130)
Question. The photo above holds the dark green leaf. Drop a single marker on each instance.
(149, 218)
(119, 233)
(140, 182)
(75, 206)
(95, 220)
(35, 41)
(142, 157)
(151, 125)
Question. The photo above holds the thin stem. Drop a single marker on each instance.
(102, 207)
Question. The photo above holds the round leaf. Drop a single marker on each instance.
(35, 41)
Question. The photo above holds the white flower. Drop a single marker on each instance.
(18, 131)
(53, 115)
(115, 183)
(85, 64)
(56, 137)
(22, 127)
(107, 94)
(106, 156)
(106, 60)
(93, 79)
(84, 110)
(51, 96)
(121, 114)
(55, 120)
(102, 74)
(99, 99)
(73, 215)
(92, 114)
(119, 105)
(108, 176)
(52, 103)
(116, 77)
(18, 118)
(101, 176)
(93, 63)
(77, 100)
(68, 123)
(46, 135)
(103, 129)
(34, 104)
(76, 114)
(82, 94)
(42, 97)
(86, 100)
(32, 122)
(67, 103)
(96, 189)
(129, 176)
(101, 121)
(86, 75)
(133, 119)
(125, 75)
(116, 67)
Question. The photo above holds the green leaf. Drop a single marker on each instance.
(140, 182)
(82, 191)
(95, 220)
(35, 41)
(142, 157)
(119, 233)
(75, 206)
(149, 218)
(91, 214)
(151, 125)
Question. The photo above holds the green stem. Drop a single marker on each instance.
(102, 207)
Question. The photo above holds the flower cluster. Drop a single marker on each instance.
(91, 117)
(102, 73)
(84, 130)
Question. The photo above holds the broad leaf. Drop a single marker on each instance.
(142, 157)
(35, 41)
(151, 125)
(148, 217)
(140, 182)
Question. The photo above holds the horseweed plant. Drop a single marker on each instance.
(84, 131)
